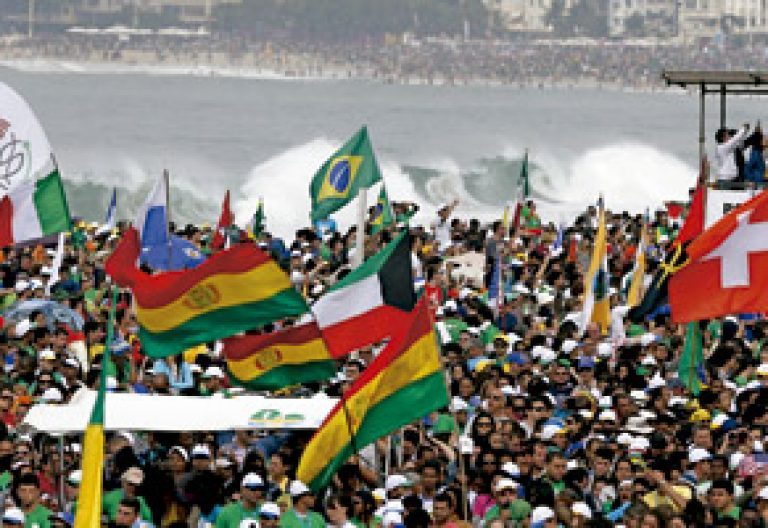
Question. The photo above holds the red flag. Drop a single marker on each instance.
(728, 269)
(225, 221)
(694, 222)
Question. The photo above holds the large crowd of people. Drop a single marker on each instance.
(524, 63)
(546, 426)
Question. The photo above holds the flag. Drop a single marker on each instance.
(178, 254)
(382, 213)
(557, 245)
(638, 273)
(34, 209)
(753, 465)
(357, 311)
(152, 218)
(294, 355)
(89, 496)
(523, 182)
(111, 218)
(404, 383)
(692, 359)
(597, 307)
(496, 286)
(24, 148)
(257, 222)
(657, 294)
(338, 181)
(226, 219)
(58, 258)
(505, 222)
(236, 290)
(727, 267)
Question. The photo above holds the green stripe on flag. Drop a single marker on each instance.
(691, 358)
(286, 375)
(51, 205)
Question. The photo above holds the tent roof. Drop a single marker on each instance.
(732, 78)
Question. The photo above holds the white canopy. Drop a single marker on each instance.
(142, 412)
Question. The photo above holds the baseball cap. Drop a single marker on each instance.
(698, 454)
(47, 354)
(396, 481)
(252, 481)
(75, 477)
(504, 483)
(213, 372)
(13, 516)
(201, 451)
(133, 475)
(540, 515)
(181, 451)
(298, 488)
(763, 495)
(52, 395)
(269, 510)
(581, 508)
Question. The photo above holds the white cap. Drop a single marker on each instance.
(396, 481)
(639, 443)
(202, 451)
(458, 404)
(569, 345)
(648, 361)
(297, 488)
(647, 338)
(607, 415)
(22, 327)
(735, 460)
(604, 349)
(624, 439)
(52, 395)
(581, 508)
(270, 508)
(252, 480)
(763, 495)
(13, 515)
(181, 451)
(698, 454)
(75, 477)
(762, 369)
(505, 483)
(21, 285)
(605, 402)
(550, 430)
(47, 354)
(213, 372)
(511, 469)
(541, 514)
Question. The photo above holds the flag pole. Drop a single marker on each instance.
(167, 177)
(352, 439)
(362, 207)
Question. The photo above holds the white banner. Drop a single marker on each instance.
(144, 412)
(721, 202)
(24, 149)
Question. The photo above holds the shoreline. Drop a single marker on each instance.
(302, 71)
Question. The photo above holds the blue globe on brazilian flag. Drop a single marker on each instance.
(337, 182)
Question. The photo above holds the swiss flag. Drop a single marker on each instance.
(728, 269)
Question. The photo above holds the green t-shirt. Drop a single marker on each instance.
(291, 519)
(38, 518)
(518, 511)
(233, 514)
(734, 513)
(111, 503)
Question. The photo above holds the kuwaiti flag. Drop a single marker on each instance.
(152, 218)
(728, 267)
(362, 308)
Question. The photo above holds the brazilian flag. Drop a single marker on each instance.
(349, 169)
(382, 213)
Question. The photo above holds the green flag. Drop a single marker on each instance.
(523, 182)
(382, 213)
(337, 182)
(257, 222)
(691, 359)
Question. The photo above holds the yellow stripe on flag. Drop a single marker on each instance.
(214, 293)
(638, 274)
(278, 356)
(416, 363)
(89, 496)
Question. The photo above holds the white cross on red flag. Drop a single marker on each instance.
(728, 269)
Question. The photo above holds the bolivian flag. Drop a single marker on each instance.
(89, 496)
(272, 361)
(404, 383)
(597, 308)
(236, 290)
